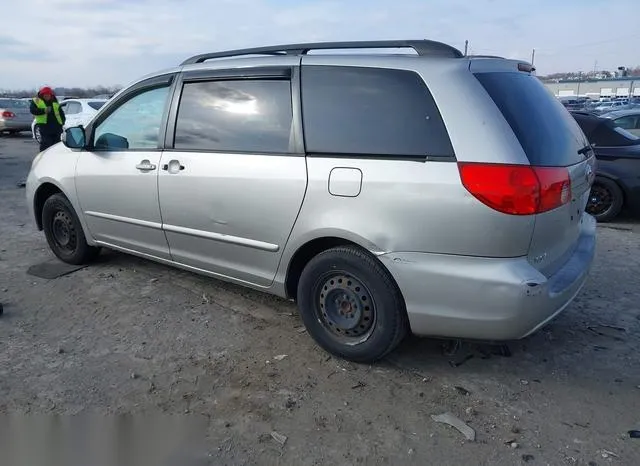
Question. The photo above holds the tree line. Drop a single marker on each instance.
(79, 92)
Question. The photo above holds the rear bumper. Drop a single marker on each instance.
(487, 298)
(10, 125)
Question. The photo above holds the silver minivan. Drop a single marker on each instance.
(385, 193)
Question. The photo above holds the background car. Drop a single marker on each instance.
(77, 111)
(617, 183)
(626, 119)
(603, 107)
(14, 116)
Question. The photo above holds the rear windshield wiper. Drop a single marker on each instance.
(585, 149)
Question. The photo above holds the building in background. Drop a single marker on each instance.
(596, 88)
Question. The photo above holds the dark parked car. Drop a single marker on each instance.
(617, 183)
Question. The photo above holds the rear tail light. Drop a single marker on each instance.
(517, 189)
(8, 114)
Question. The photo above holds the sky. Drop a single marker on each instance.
(112, 42)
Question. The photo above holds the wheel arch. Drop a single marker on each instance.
(311, 248)
(42, 193)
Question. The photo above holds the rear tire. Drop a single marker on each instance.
(605, 200)
(351, 306)
(37, 135)
(63, 231)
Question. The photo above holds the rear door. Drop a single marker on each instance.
(551, 138)
(234, 174)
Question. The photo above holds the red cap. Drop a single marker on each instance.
(46, 90)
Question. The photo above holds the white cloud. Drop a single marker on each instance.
(90, 42)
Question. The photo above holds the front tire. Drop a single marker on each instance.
(36, 134)
(605, 200)
(351, 305)
(64, 233)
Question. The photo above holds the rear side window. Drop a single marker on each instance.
(370, 112)
(235, 116)
(547, 132)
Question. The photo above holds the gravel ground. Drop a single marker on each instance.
(129, 336)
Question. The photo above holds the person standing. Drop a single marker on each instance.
(49, 117)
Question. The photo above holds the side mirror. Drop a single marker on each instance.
(74, 138)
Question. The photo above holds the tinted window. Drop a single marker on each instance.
(370, 111)
(235, 116)
(547, 132)
(135, 124)
(96, 105)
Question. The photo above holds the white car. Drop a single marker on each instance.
(77, 111)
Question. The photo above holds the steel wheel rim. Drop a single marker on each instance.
(600, 200)
(345, 308)
(64, 232)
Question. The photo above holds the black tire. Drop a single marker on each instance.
(605, 200)
(351, 306)
(64, 232)
(37, 135)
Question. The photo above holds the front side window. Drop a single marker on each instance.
(135, 124)
(235, 116)
(371, 112)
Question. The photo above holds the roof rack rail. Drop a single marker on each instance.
(422, 47)
(485, 56)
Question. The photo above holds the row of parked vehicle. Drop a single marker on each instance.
(599, 106)
(16, 118)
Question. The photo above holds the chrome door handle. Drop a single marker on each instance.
(145, 166)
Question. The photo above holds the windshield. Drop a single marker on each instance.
(96, 105)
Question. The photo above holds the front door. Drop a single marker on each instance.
(233, 183)
(117, 179)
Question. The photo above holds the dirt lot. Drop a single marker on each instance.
(129, 336)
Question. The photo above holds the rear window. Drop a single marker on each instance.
(609, 135)
(13, 103)
(548, 134)
(96, 105)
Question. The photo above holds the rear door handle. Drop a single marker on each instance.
(145, 166)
